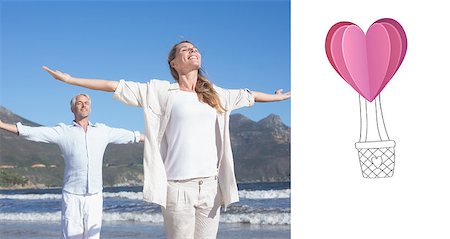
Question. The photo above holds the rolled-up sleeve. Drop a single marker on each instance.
(236, 98)
(137, 136)
(131, 93)
(39, 134)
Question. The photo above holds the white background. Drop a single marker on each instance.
(330, 198)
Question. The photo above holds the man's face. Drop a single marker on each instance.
(82, 107)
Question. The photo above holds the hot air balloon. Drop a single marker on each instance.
(367, 62)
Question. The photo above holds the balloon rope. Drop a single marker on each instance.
(381, 127)
(363, 119)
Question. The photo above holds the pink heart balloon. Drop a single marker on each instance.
(398, 40)
(366, 62)
(333, 52)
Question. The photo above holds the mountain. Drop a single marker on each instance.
(261, 152)
(261, 149)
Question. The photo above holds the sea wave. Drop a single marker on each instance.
(251, 218)
(133, 217)
(48, 217)
(265, 194)
(31, 196)
(258, 218)
(125, 195)
(258, 194)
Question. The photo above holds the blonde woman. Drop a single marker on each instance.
(188, 162)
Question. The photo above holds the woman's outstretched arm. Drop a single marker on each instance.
(264, 97)
(94, 84)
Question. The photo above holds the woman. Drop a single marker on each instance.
(188, 163)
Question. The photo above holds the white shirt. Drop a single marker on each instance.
(82, 151)
(155, 98)
(191, 138)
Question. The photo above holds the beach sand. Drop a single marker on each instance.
(110, 230)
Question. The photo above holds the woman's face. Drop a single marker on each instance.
(187, 58)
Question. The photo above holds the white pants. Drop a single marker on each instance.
(193, 209)
(81, 216)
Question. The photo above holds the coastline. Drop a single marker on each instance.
(34, 186)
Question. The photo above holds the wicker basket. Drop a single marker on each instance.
(376, 158)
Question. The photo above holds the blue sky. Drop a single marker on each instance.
(244, 44)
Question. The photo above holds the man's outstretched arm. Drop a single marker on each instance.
(9, 127)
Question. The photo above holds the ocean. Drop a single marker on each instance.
(264, 211)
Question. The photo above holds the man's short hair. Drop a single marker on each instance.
(73, 101)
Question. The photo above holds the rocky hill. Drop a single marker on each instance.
(261, 151)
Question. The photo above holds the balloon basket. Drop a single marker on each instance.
(376, 151)
(377, 158)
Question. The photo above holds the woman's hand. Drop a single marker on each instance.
(281, 95)
(93, 84)
(64, 77)
(264, 97)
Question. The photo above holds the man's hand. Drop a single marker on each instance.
(9, 127)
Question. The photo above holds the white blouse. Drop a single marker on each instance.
(191, 138)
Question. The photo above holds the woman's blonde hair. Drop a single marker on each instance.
(204, 88)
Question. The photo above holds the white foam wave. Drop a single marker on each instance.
(56, 216)
(126, 195)
(31, 196)
(135, 217)
(259, 194)
(265, 194)
(258, 218)
(251, 218)
(48, 216)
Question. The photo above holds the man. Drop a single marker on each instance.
(83, 145)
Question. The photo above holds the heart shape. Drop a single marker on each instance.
(366, 62)
(377, 161)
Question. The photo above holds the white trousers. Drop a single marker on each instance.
(81, 216)
(193, 209)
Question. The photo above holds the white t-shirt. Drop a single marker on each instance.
(191, 138)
